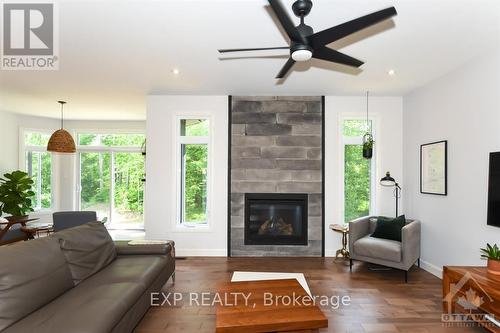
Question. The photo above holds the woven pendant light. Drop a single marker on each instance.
(61, 141)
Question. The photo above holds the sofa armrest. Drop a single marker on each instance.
(122, 248)
(410, 242)
(358, 228)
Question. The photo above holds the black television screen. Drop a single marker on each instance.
(494, 190)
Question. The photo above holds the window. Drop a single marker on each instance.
(358, 171)
(111, 173)
(192, 164)
(38, 165)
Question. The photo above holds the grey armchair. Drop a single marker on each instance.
(65, 220)
(401, 255)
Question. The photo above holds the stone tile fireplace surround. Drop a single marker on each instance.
(276, 147)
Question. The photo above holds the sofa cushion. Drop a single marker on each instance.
(389, 228)
(88, 249)
(378, 248)
(89, 307)
(32, 274)
(140, 269)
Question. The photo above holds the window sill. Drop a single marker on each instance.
(192, 228)
(42, 211)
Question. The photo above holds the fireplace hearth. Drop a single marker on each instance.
(276, 219)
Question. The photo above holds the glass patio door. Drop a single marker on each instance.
(95, 183)
(111, 184)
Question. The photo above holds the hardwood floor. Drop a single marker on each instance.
(380, 300)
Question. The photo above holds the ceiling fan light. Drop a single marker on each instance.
(301, 55)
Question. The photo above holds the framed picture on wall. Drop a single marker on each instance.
(434, 168)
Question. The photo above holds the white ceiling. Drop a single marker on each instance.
(114, 53)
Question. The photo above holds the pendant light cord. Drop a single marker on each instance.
(62, 112)
(368, 127)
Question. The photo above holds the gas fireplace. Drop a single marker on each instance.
(276, 219)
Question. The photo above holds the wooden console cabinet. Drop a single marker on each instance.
(471, 294)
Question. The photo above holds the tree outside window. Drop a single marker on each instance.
(38, 165)
(193, 163)
(357, 171)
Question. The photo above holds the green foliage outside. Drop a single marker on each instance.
(95, 182)
(129, 190)
(195, 182)
(356, 173)
(194, 127)
(355, 127)
(96, 174)
(16, 193)
(195, 163)
(39, 167)
(41, 178)
(128, 172)
(111, 140)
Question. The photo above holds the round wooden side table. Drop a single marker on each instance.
(344, 230)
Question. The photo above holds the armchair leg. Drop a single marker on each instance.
(418, 262)
(406, 276)
(350, 265)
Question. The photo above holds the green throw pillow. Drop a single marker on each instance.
(389, 228)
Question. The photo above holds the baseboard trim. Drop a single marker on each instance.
(330, 253)
(200, 252)
(431, 268)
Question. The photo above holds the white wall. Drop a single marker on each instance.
(387, 113)
(160, 198)
(462, 107)
(9, 142)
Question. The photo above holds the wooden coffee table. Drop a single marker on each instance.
(254, 316)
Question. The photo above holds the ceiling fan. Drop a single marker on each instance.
(305, 44)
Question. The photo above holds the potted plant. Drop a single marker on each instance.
(368, 146)
(492, 253)
(15, 195)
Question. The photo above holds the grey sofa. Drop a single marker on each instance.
(79, 280)
(401, 255)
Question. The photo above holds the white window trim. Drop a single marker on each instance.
(357, 140)
(101, 149)
(53, 168)
(178, 141)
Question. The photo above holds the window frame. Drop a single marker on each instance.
(355, 140)
(23, 149)
(102, 149)
(180, 140)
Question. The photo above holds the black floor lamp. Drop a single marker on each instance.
(388, 181)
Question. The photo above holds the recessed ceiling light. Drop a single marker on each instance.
(391, 72)
(175, 71)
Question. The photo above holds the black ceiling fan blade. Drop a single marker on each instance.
(342, 30)
(286, 22)
(326, 53)
(288, 65)
(254, 49)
